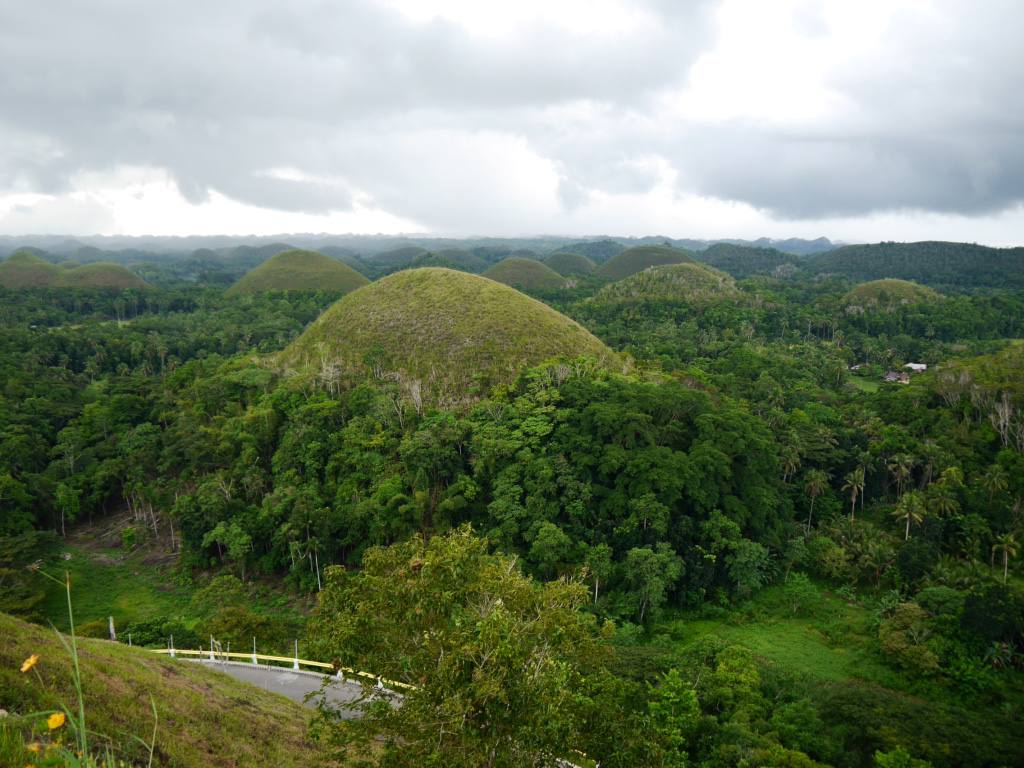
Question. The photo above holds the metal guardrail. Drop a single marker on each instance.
(342, 673)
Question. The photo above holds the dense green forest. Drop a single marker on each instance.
(737, 545)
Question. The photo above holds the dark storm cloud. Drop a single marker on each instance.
(300, 106)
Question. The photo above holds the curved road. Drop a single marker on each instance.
(296, 685)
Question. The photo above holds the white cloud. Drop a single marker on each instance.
(711, 118)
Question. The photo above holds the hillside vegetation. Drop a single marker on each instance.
(742, 261)
(672, 282)
(931, 262)
(888, 294)
(567, 264)
(525, 273)
(446, 336)
(298, 270)
(206, 719)
(637, 259)
(452, 258)
(397, 257)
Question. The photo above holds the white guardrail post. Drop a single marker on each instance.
(172, 646)
(295, 665)
(254, 659)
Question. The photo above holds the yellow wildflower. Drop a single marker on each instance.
(35, 747)
(56, 720)
(30, 662)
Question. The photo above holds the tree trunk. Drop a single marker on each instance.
(1006, 564)
(907, 534)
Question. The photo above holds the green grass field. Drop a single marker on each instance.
(105, 583)
(864, 384)
(835, 642)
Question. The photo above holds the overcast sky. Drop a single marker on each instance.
(896, 119)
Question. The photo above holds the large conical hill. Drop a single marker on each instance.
(26, 270)
(689, 281)
(298, 270)
(23, 269)
(566, 264)
(100, 274)
(889, 293)
(641, 257)
(523, 273)
(446, 337)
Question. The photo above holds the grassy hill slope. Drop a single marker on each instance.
(27, 270)
(446, 336)
(525, 273)
(671, 282)
(889, 293)
(633, 260)
(299, 270)
(100, 274)
(205, 718)
(23, 269)
(567, 264)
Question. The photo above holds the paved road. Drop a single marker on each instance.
(293, 684)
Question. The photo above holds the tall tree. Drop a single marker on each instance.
(815, 484)
(854, 485)
(494, 657)
(911, 509)
(1006, 544)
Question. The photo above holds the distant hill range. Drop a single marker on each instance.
(929, 262)
(223, 260)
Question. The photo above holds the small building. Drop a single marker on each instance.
(896, 377)
(916, 367)
(857, 366)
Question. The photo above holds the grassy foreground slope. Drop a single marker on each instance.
(298, 270)
(672, 282)
(445, 336)
(633, 260)
(205, 718)
(525, 273)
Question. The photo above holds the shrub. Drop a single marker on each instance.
(800, 595)
(903, 639)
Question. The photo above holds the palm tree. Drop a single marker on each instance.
(865, 462)
(1007, 544)
(855, 486)
(790, 462)
(815, 484)
(910, 508)
(952, 477)
(900, 467)
(942, 499)
(994, 481)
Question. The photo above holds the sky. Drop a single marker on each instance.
(859, 121)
